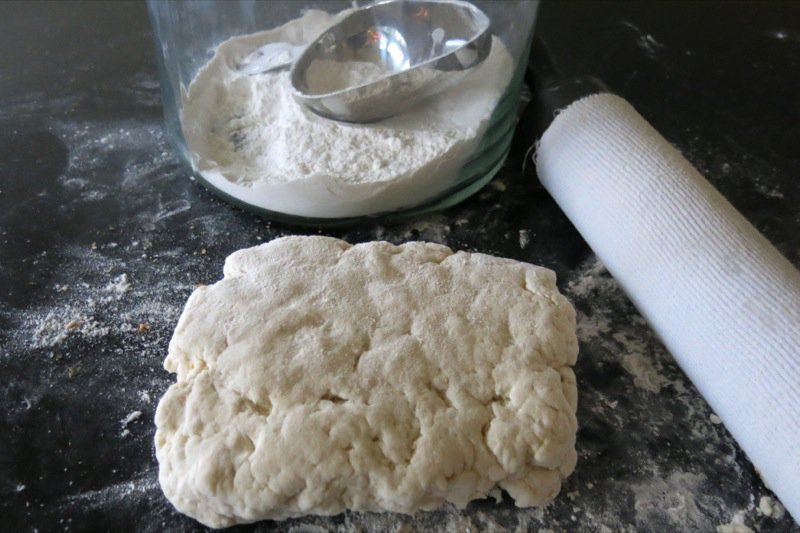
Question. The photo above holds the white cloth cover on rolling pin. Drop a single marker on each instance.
(724, 301)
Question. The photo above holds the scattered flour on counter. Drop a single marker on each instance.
(248, 137)
(106, 303)
(594, 327)
(644, 375)
(770, 507)
(634, 356)
(55, 326)
(434, 229)
(524, 238)
(673, 499)
(146, 483)
(120, 285)
(498, 185)
(592, 281)
(135, 415)
(736, 525)
(769, 192)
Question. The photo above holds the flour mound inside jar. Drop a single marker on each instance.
(247, 136)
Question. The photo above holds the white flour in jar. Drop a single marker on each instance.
(248, 137)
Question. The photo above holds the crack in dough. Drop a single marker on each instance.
(317, 377)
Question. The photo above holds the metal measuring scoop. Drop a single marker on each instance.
(381, 59)
(384, 58)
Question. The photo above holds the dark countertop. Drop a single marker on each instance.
(101, 225)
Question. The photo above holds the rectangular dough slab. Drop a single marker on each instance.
(317, 377)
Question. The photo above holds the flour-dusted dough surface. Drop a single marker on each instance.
(319, 376)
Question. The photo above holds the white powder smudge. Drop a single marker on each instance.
(170, 209)
(119, 285)
(590, 327)
(594, 284)
(638, 365)
(671, 498)
(770, 507)
(89, 150)
(593, 280)
(736, 525)
(498, 185)
(649, 44)
(135, 415)
(57, 325)
(118, 492)
(432, 229)
(769, 192)
(105, 303)
(308, 528)
(644, 375)
(646, 42)
(524, 238)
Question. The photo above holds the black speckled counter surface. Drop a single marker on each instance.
(103, 236)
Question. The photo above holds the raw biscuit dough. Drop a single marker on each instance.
(319, 376)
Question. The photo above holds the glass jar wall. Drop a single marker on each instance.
(247, 139)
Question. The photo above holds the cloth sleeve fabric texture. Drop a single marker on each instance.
(724, 301)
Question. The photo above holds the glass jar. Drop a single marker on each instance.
(250, 142)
